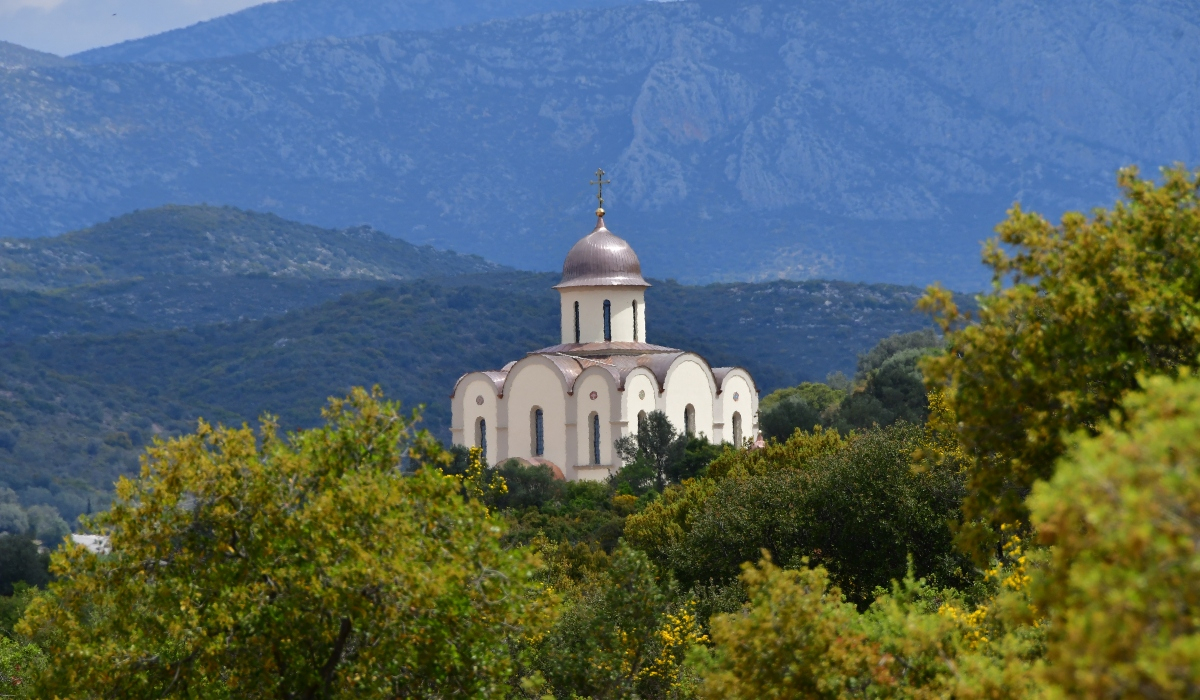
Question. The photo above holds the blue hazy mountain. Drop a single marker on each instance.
(859, 139)
(13, 56)
(288, 21)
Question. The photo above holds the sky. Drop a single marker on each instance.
(65, 27)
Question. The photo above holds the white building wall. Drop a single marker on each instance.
(535, 383)
(465, 411)
(600, 383)
(690, 382)
(737, 384)
(591, 313)
(641, 394)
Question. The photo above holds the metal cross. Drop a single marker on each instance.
(600, 182)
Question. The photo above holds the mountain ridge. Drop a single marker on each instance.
(206, 241)
(288, 21)
(862, 140)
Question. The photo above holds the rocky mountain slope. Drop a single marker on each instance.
(748, 139)
(288, 21)
(14, 56)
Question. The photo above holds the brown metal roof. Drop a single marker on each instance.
(601, 259)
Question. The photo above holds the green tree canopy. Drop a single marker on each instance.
(308, 566)
(858, 507)
(1077, 312)
(1123, 585)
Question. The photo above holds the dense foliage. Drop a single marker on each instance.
(361, 559)
(1122, 584)
(888, 387)
(1079, 311)
(855, 506)
(302, 566)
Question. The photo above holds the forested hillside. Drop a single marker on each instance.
(183, 241)
(82, 406)
(866, 140)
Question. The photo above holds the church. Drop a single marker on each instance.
(565, 405)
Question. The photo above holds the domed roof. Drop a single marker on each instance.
(601, 259)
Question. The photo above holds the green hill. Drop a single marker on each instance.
(75, 409)
(206, 241)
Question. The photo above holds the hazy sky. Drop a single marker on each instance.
(69, 26)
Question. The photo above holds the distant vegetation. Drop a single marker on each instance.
(195, 241)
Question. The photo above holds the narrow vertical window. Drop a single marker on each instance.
(641, 421)
(635, 322)
(607, 320)
(595, 438)
(689, 420)
(539, 434)
(481, 439)
(737, 429)
(577, 322)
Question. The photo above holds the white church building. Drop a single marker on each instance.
(567, 404)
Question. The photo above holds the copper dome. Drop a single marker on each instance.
(601, 259)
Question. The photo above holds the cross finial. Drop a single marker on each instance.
(600, 182)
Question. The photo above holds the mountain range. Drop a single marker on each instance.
(874, 140)
(289, 21)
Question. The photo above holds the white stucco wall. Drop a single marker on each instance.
(737, 383)
(465, 412)
(591, 313)
(606, 406)
(690, 382)
(641, 394)
(534, 382)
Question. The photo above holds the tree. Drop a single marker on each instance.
(656, 448)
(13, 519)
(529, 485)
(858, 508)
(1123, 583)
(622, 634)
(818, 395)
(799, 638)
(892, 391)
(47, 525)
(306, 566)
(1076, 313)
(783, 417)
(20, 562)
(20, 663)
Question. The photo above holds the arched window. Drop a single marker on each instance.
(576, 322)
(635, 321)
(595, 438)
(607, 320)
(481, 437)
(539, 433)
(689, 420)
(641, 420)
(737, 429)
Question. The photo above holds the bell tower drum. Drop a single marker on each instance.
(602, 290)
